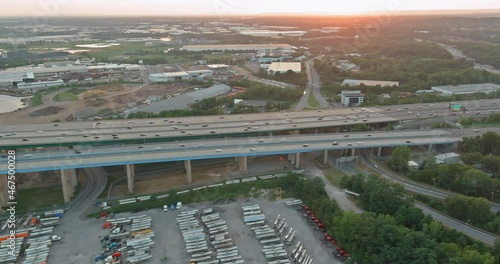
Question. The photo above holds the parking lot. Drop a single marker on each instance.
(81, 238)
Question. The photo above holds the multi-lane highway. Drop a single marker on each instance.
(222, 148)
(120, 131)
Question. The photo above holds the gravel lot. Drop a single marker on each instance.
(81, 243)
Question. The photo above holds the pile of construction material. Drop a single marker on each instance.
(9, 253)
(272, 246)
(206, 237)
(38, 246)
(139, 246)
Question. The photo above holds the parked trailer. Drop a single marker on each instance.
(293, 203)
(256, 212)
(210, 262)
(230, 259)
(194, 250)
(250, 208)
(270, 241)
(206, 253)
(227, 249)
(220, 246)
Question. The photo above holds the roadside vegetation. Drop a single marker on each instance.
(299, 79)
(470, 121)
(30, 199)
(312, 101)
(36, 100)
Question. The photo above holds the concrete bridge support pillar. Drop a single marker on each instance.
(130, 177)
(325, 157)
(379, 153)
(353, 152)
(430, 147)
(292, 160)
(235, 159)
(243, 165)
(4, 190)
(67, 181)
(189, 175)
(297, 160)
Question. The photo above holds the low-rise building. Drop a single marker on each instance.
(169, 76)
(447, 158)
(31, 86)
(352, 82)
(352, 98)
(466, 88)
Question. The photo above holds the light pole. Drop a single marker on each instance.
(467, 224)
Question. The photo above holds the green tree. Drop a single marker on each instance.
(471, 158)
(399, 159)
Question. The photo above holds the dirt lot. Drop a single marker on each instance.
(115, 96)
(156, 182)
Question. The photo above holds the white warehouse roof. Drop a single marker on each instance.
(467, 88)
(283, 67)
(352, 82)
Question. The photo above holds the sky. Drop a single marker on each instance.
(229, 7)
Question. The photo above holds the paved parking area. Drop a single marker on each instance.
(81, 243)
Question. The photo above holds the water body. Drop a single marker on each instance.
(10, 103)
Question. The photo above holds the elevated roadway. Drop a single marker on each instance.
(183, 128)
(222, 148)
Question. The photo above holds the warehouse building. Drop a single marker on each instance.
(466, 88)
(351, 98)
(352, 82)
(32, 86)
(284, 67)
(270, 48)
(182, 101)
(448, 158)
(180, 76)
(273, 33)
(10, 78)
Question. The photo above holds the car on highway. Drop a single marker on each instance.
(218, 150)
(140, 147)
(476, 130)
(25, 139)
(478, 112)
(143, 135)
(85, 136)
(116, 137)
(408, 141)
(182, 145)
(97, 137)
(346, 135)
(305, 145)
(77, 152)
(27, 156)
(129, 127)
(204, 125)
(283, 140)
(212, 132)
(369, 135)
(60, 138)
(335, 143)
(186, 125)
(183, 132)
(39, 131)
(364, 120)
(360, 143)
(349, 144)
(253, 149)
(151, 122)
(157, 148)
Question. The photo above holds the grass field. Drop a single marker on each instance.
(36, 100)
(334, 176)
(65, 96)
(31, 199)
(311, 100)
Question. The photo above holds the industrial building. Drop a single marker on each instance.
(39, 85)
(352, 98)
(447, 158)
(284, 67)
(49, 75)
(179, 76)
(352, 82)
(270, 48)
(182, 101)
(467, 88)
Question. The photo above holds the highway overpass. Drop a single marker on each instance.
(68, 160)
(112, 132)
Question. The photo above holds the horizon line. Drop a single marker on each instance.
(420, 12)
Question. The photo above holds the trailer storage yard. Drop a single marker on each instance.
(203, 232)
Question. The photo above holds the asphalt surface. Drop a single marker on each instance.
(223, 148)
(313, 86)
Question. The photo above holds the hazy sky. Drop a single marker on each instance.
(228, 7)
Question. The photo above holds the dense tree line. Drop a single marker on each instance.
(483, 53)
(397, 232)
(299, 79)
(470, 120)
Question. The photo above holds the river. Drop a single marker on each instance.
(10, 103)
